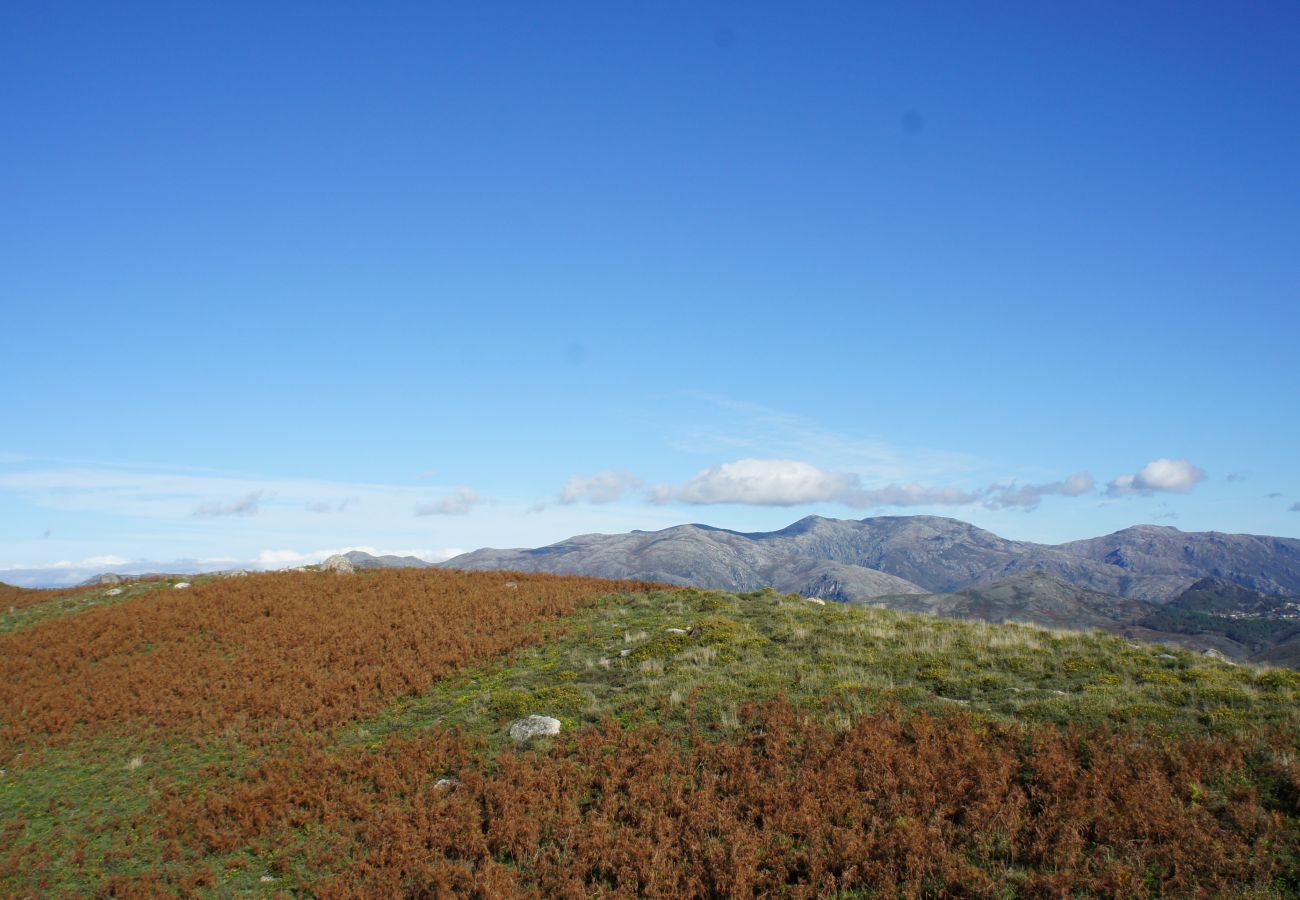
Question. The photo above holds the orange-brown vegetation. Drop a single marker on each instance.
(268, 655)
(21, 598)
(894, 805)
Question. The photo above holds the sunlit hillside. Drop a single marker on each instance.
(338, 735)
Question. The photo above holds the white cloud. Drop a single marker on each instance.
(1028, 496)
(458, 503)
(106, 560)
(603, 487)
(245, 506)
(273, 559)
(759, 482)
(783, 482)
(1175, 476)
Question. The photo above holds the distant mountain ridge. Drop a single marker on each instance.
(1237, 595)
(364, 560)
(932, 553)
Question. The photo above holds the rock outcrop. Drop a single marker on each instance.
(338, 564)
(524, 731)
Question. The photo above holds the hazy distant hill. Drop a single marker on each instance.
(1258, 562)
(363, 560)
(1218, 596)
(1029, 597)
(939, 555)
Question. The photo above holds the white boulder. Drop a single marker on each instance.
(523, 731)
(339, 564)
(181, 584)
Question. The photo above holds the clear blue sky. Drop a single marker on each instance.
(285, 278)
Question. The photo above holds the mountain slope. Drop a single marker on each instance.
(699, 556)
(1218, 596)
(1258, 562)
(363, 560)
(1034, 597)
(939, 555)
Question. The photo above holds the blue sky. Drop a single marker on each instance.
(281, 279)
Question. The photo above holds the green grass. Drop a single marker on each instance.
(14, 619)
(621, 660)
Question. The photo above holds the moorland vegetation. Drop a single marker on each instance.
(344, 735)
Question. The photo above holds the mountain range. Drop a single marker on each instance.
(934, 554)
(1235, 594)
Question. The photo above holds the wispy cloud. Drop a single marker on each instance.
(1295, 507)
(245, 506)
(1029, 496)
(138, 492)
(329, 506)
(1175, 476)
(608, 486)
(752, 430)
(458, 503)
(785, 482)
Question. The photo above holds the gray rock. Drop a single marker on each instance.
(108, 578)
(338, 564)
(676, 631)
(181, 584)
(523, 731)
(445, 784)
(112, 592)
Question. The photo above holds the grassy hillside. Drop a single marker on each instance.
(346, 734)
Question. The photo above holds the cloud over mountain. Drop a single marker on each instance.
(603, 487)
(759, 482)
(1028, 496)
(1174, 476)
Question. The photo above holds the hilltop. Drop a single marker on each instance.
(331, 734)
